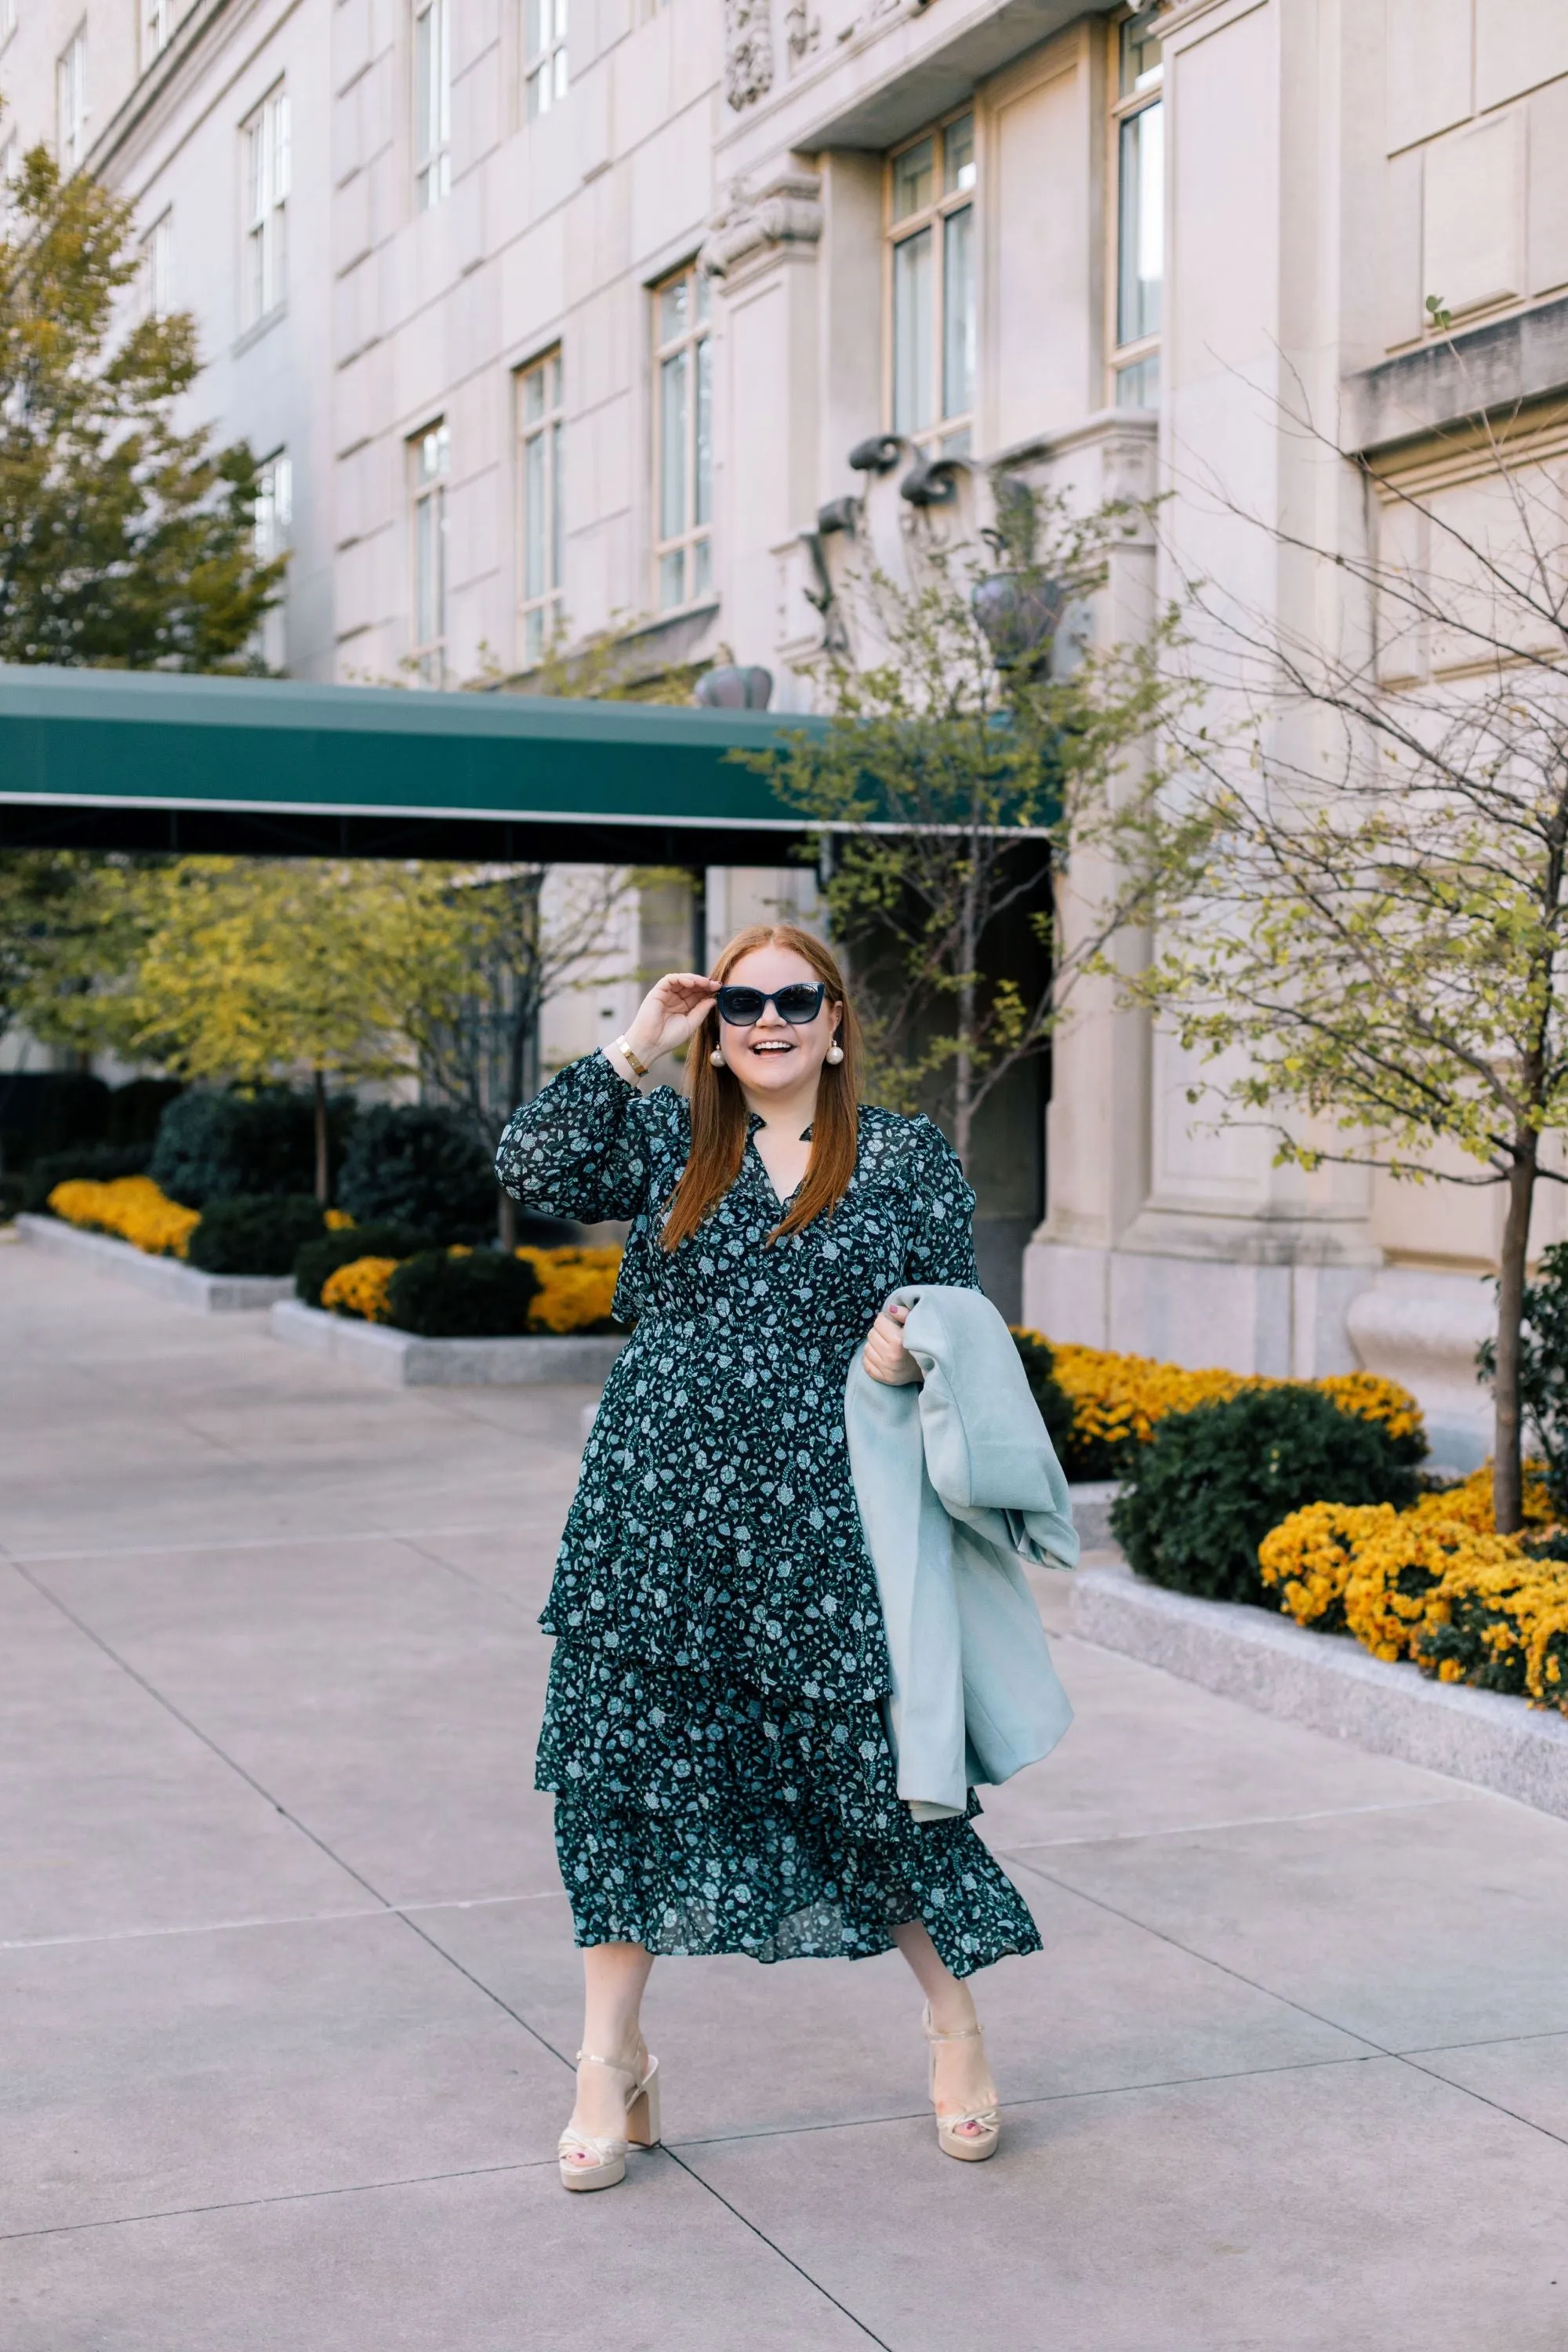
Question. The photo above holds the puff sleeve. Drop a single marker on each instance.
(582, 1146)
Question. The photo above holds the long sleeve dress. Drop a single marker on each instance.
(713, 1730)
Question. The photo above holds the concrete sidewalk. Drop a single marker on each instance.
(290, 1992)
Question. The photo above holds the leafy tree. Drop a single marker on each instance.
(124, 543)
(256, 970)
(962, 769)
(1368, 912)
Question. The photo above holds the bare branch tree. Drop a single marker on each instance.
(1371, 898)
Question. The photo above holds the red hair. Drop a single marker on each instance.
(718, 1108)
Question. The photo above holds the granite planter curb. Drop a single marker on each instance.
(402, 1360)
(167, 1277)
(1090, 1501)
(1327, 1683)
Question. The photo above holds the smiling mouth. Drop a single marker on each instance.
(771, 1046)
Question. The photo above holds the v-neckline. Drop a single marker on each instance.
(754, 1121)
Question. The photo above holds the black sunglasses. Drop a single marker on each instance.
(799, 1002)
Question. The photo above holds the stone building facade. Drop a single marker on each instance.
(568, 314)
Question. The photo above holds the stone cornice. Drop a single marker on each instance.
(1475, 371)
(754, 226)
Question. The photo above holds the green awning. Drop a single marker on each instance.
(115, 759)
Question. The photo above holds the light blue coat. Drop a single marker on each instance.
(957, 1483)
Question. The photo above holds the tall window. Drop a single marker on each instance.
(430, 454)
(540, 431)
(1138, 129)
(70, 103)
(264, 138)
(155, 260)
(274, 529)
(433, 101)
(683, 365)
(930, 230)
(154, 29)
(544, 54)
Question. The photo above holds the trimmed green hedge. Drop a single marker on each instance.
(258, 1233)
(485, 1296)
(415, 1164)
(1210, 1483)
(219, 1146)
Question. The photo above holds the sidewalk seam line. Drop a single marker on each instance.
(1287, 2000)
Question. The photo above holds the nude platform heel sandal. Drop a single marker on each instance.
(971, 2147)
(609, 2156)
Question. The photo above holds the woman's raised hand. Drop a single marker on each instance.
(669, 1014)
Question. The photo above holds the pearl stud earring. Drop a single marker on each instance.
(835, 1052)
(716, 1058)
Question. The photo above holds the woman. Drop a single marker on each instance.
(712, 1732)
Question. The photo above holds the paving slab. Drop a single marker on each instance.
(1417, 1927)
(153, 2073)
(1356, 2208)
(487, 2263)
(389, 1705)
(1147, 1752)
(117, 1817)
(247, 2110)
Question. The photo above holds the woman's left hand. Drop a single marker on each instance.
(886, 1357)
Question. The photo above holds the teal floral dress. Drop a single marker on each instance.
(713, 1730)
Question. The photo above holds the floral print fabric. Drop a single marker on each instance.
(713, 1730)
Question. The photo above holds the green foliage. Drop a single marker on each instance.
(217, 1146)
(319, 1258)
(1543, 1368)
(124, 543)
(988, 773)
(418, 1165)
(101, 1163)
(1053, 1401)
(486, 1296)
(258, 969)
(1210, 1483)
(254, 1233)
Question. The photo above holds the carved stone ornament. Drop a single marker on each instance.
(748, 51)
(752, 228)
(803, 32)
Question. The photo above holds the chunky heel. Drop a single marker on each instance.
(605, 2163)
(642, 2116)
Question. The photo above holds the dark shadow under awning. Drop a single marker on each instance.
(132, 760)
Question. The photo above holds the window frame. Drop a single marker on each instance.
(266, 172)
(154, 25)
(432, 109)
(156, 255)
(428, 499)
(70, 66)
(949, 436)
(272, 535)
(545, 79)
(1132, 360)
(541, 613)
(692, 543)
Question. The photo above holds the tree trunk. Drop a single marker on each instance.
(505, 1220)
(963, 1061)
(1508, 1477)
(323, 1188)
